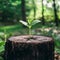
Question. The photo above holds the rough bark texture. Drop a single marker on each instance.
(24, 48)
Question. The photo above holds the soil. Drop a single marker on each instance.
(56, 56)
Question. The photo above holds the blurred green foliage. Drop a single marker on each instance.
(10, 10)
(10, 14)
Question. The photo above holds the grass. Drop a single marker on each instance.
(10, 28)
(16, 28)
(20, 28)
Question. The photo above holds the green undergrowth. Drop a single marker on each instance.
(19, 29)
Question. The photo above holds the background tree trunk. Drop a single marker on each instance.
(43, 20)
(55, 13)
(23, 10)
(34, 8)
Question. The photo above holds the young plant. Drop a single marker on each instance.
(30, 24)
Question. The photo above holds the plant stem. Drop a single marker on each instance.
(30, 31)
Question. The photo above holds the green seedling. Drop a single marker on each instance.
(30, 24)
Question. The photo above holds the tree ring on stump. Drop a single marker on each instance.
(34, 39)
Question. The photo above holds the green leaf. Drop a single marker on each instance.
(29, 22)
(1, 48)
(2, 43)
(1, 58)
(35, 22)
(24, 23)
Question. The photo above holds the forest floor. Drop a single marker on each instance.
(57, 57)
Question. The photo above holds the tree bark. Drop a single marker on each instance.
(43, 20)
(25, 48)
(34, 9)
(55, 13)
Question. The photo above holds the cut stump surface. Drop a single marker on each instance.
(24, 48)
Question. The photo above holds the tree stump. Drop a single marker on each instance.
(25, 48)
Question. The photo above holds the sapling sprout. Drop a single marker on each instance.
(29, 24)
